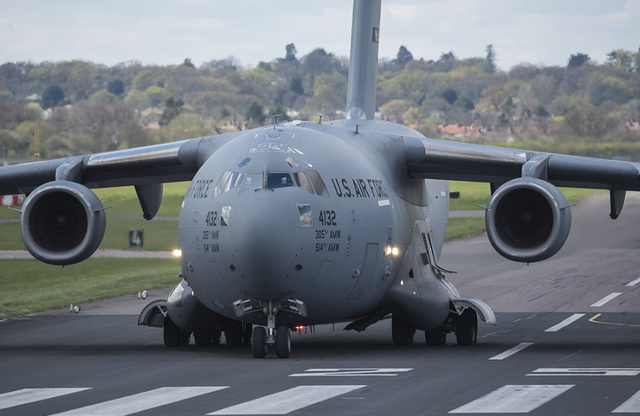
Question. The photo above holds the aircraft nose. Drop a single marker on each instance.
(263, 235)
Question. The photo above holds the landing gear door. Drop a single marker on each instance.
(422, 233)
(366, 272)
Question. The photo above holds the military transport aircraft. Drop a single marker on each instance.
(308, 223)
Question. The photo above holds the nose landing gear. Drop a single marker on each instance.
(270, 336)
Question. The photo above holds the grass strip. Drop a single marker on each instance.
(29, 286)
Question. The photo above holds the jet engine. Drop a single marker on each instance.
(62, 223)
(528, 220)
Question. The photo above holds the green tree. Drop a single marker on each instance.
(588, 121)
(329, 94)
(540, 111)
(172, 109)
(52, 96)
(578, 60)
(450, 95)
(403, 56)
(187, 62)
(628, 61)
(446, 61)
(116, 86)
(256, 113)
(290, 54)
(395, 110)
(491, 59)
(103, 96)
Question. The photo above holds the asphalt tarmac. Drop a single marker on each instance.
(566, 343)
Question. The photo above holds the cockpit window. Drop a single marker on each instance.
(219, 189)
(251, 181)
(278, 180)
(306, 180)
(303, 181)
(317, 182)
(230, 180)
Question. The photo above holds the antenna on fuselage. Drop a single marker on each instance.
(275, 120)
(363, 63)
(319, 118)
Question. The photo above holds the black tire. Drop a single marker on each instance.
(259, 342)
(203, 338)
(185, 338)
(246, 334)
(171, 333)
(283, 342)
(467, 328)
(233, 334)
(401, 333)
(215, 337)
(435, 337)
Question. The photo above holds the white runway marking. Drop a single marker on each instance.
(514, 399)
(630, 406)
(351, 372)
(566, 322)
(606, 299)
(510, 352)
(287, 401)
(632, 284)
(25, 396)
(629, 372)
(142, 401)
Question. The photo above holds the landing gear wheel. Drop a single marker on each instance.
(259, 342)
(185, 338)
(233, 334)
(400, 332)
(215, 337)
(203, 338)
(246, 334)
(171, 333)
(283, 342)
(467, 327)
(435, 337)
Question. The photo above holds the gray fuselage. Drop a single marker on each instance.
(313, 212)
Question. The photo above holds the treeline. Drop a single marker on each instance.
(81, 107)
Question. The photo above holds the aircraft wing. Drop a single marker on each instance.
(441, 159)
(168, 162)
(527, 218)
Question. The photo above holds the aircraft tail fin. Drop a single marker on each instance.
(363, 64)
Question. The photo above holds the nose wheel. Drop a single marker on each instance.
(283, 342)
(261, 340)
(269, 336)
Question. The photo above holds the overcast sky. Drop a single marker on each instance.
(165, 32)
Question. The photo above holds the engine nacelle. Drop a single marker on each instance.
(62, 223)
(528, 220)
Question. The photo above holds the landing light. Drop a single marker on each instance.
(300, 327)
(391, 251)
(177, 253)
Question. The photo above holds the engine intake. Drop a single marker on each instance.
(62, 223)
(528, 220)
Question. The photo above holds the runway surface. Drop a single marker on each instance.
(566, 343)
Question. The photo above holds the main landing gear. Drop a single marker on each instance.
(235, 334)
(464, 325)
